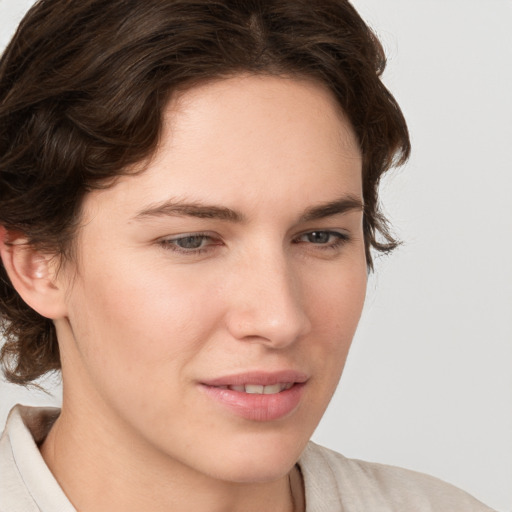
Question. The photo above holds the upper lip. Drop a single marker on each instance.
(262, 378)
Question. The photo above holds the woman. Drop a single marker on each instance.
(189, 207)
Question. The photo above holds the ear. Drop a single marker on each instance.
(33, 274)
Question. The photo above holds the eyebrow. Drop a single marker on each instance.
(203, 211)
(198, 210)
(336, 207)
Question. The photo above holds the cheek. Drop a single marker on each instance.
(139, 325)
(335, 309)
(336, 301)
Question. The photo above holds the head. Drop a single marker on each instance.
(107, 111)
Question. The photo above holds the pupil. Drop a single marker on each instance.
(319, 237)
(190, 242)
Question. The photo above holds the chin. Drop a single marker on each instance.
(253, 471)
(260, 459)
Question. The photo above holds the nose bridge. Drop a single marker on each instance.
(268, 304)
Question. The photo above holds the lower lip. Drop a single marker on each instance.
(257, 407)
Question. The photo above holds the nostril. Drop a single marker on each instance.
(276, 327)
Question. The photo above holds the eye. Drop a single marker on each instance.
(331, 239)
(323, 242)
(318, 237)
(190, 243)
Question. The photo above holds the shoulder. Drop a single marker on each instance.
(26, 483)
(332, 480)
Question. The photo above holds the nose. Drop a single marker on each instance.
(267, 302)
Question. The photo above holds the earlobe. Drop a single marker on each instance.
(33, 274)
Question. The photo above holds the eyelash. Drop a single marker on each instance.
(340, 239)
(171, 243)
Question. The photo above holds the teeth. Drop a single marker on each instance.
(256, 389)
(272, 390)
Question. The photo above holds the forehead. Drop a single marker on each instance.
(246, 107)
(249, 140)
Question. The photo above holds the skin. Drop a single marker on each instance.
(141, 322)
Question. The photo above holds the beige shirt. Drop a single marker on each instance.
(332, 482)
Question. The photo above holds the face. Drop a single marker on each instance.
(215, 294)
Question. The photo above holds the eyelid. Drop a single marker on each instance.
(339, 233)
(168, 242)
(341, 239)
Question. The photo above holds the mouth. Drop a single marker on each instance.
(258, 396)
(258, 389)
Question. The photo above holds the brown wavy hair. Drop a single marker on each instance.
(83, 85)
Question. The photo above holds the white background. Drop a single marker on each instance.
(428, 384)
